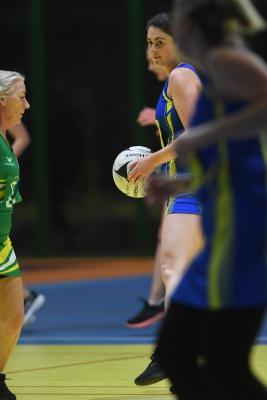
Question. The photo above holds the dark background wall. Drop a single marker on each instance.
(89, 114)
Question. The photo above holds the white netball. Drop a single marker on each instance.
(121, 169)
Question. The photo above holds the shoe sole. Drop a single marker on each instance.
(36, 305)
(147, 322)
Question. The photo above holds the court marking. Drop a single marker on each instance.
(72, 340)
(82, 386)
(97, 398)
(91, 379)
(78, 364)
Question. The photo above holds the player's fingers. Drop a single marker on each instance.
(132, 176)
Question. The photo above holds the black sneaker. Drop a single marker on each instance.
(32, 303)
(5, 393)
(152, 374)
(147, 316)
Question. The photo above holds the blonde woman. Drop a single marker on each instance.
(13, 105)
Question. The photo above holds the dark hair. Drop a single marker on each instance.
(212, 16)
(258, 42)
(162, 21)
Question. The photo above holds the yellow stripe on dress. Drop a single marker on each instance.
(172, 163)
(169, 123)
(5, 252)
(12, 269)
(168, 118)
(160, 134)
(197, 172)
(222, 242)
(8, 260)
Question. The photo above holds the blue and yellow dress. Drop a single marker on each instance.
(9, 195)
(169, 126)
(231, 271)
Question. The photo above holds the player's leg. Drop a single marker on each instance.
(180, 348)
(153, 308)
(11, 316)
(153, 373)
(11, 320)
(157, 291)
(181, 240)
(231, 335)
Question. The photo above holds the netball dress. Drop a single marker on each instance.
(9, 195)
(169, 126)
(231, 271)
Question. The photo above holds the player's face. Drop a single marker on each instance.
(14, 105)
(158, 71)
(161, 47)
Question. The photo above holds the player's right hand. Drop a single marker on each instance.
(140, 169)
(160, 187)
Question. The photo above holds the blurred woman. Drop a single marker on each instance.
(217, 308)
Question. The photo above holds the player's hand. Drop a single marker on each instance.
(147, 116)
(160, 187)
(140, 169)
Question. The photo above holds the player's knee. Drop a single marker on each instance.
(172, 268)
(167, 265)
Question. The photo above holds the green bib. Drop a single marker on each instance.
(9, 178)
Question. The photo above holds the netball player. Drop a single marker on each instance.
(13, 104)
(153, 308)
(33, 301)
(181, 236)
(217, 308)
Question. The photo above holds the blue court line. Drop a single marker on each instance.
(94, 312)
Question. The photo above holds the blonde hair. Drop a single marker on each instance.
(7, 79)
(255, 21)
(220, 18)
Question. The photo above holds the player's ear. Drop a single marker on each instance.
(2, 100)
